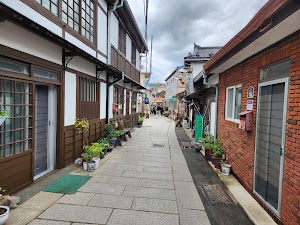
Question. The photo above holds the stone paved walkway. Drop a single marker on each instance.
(146, 182)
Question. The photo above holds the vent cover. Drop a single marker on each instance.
(215, 194)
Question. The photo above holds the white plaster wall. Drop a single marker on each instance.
(70, 98)
(137, 108)
(20, 39)
(171, 89)
(114, 31)
(124, 100)
(103, 4)
(197, 68)
(214, 79)
(31, 14)
(128, 48)
(102, 100)
(101, 58)
(130, 102)
(110, 101)
(102, 32)
(82, 65)
(80, 44)
(138, 60)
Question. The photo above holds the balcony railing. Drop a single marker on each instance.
(121, 63)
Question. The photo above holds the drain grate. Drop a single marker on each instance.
(186, 144)
(215, 194)
(158, 146)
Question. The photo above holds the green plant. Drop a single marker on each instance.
(104, 142)
(96, 149)
(83, 126)
(3, 113)
(217, 148)
(207, 141)
(108, 130)
(117, 133)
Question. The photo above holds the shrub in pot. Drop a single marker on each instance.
(105, 144)
(207, 142)
(218, 153)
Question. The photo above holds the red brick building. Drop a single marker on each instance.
(259, 72)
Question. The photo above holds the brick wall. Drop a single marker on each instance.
(240, 144)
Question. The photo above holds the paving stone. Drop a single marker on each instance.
(193, 217)
(75, 213)
(148, 175)
(122, 161)
(109, 172)
(157, 169)
(125, 181)
(102, 188)
(130, 167)
(35, 202)
(157, 164)
(144, 192)
(100, 179)
(158, 159)
(155, 205)
(48, 222)
(165, 184)
(79, 198)
(21, 216)
(187, 196)
(156, 155)
(111, 201)
(130, 217)
(159, 153)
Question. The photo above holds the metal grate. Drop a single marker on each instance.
(158, 146)
(215, 194)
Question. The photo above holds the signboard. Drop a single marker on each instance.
(250, 92)
(249, 105)
(146, 100)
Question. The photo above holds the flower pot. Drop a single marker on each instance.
(84, 165)
(105, 150)
(113, 142)
(97, 161)
(90, 166)
(110, 148)
(139, 125)
(2, 119)
(4, 213)
(209, 155)
(225, 168)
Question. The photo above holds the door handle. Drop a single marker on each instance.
(281, 151)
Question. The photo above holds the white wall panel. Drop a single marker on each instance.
(79, 44)
(102, 31)
(102, 100)
(82, 65)
(101, 58)
(23, 40)
(110, 101)
(128, 48)
(103, 4)
(138, 60)
(114, 31)
(70, 98)
(33, 15)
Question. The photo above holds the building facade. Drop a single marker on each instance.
(58, 63)
(258, 114)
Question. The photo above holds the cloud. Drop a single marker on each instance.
(177, 25)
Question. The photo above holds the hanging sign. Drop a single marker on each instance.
(249, 105)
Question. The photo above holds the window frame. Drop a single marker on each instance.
(235, 87)
(122, 39)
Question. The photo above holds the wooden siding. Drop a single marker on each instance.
(130, 121)
(16, 171)
(121, 63)
(73, 141)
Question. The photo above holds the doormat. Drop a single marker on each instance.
(215, 194)
(68, 184)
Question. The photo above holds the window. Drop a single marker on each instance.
(51, 5)
(88, 98)
(12, 66)
(122, 40)
(133, 55)
(233, 103)
(16, 132)
(82, 20)
(118, 99)
(45, 74)
(133, 102)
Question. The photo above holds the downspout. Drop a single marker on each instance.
(109, 16)
(216, 100)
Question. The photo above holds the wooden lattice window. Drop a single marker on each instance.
(133, 102)
(89, 105)
(122, 40)
(119, 99)
(51, 5)
(16, 132)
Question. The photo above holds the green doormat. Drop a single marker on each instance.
(68, 184)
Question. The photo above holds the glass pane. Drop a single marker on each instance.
(229, 103)
(64, 17)
(277, 71)
(13, 66)
(46, 4)
(54, 9)
(46, 74)
(64, 7)
(238, 101)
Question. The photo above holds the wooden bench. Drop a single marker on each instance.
(125, 131)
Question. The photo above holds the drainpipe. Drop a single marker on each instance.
(109, 16)
(216, 100)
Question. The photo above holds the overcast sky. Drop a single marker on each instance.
(177, 24)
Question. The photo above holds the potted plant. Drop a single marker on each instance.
(140, 122)
(218, 153)
(3, 115)
(83, 127)
(4, 211)
(96, 149)
(109, 134)
(207, 143)
(88, 157)
(225, 168)
(197, 146)
(105, 144)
